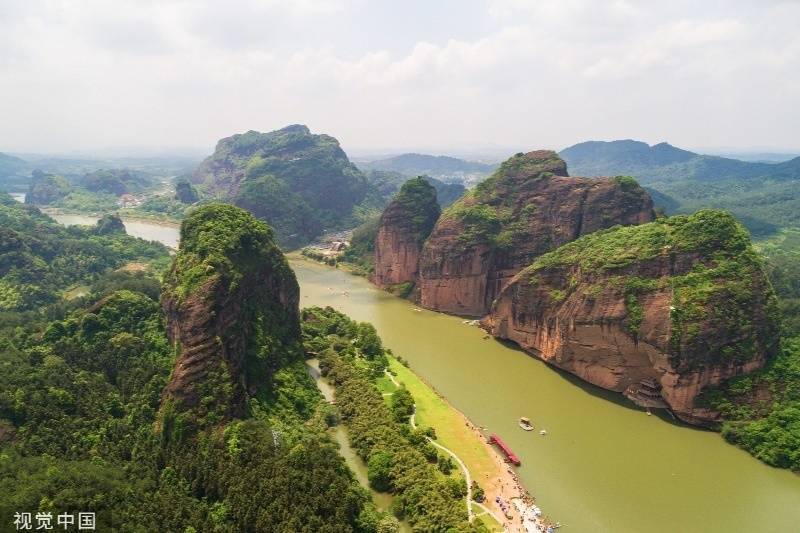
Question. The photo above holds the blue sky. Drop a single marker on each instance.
(441, 76)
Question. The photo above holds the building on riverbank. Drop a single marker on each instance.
(646, 393)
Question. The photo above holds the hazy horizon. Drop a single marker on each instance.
(476, 153)
(445, 78)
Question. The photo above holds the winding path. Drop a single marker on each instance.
(467, 477)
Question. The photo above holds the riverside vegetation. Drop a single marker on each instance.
(40, 259)
(96, 414)
(400, 459)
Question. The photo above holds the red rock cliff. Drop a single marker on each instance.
(231, 303)
(402, 229)
(527, 208)
(682, 300)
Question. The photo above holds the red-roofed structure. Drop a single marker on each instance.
(511, 457)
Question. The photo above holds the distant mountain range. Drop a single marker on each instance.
(15, 172)
(764, 196)
(757, 157)
(431, 165)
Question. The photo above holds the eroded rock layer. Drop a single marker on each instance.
(231, 304)
(683, 301)
(402, 229)
(530, 206)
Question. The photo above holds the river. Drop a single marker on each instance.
(604, 466)
(382, 500)
(168, 234)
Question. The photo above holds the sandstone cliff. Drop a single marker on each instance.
(528, 207)
(231, 304)
(682, 300)
(403, 227)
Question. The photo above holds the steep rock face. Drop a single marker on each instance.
(300, 183)
(402, 229)
(231, 303)
(527, 208)
(682, 300)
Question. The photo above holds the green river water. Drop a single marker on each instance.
(604, 466)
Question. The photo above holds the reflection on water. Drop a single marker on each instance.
(604, 466)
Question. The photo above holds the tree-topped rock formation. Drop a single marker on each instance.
(185, 192)
(110, 224)
(231, 303)
(682, 300)
(403, 228)
(46, 188)
(299, 182)
(116, 181)
(528, 207)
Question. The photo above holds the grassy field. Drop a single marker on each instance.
(490, 523)
(451, 431)
(385, 385)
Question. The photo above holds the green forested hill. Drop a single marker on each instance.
(387, 183)
(46, 188)
(14, 173)
(40, 258)
(82, 422)
(116, 181)
(765, 196)
(300, 183)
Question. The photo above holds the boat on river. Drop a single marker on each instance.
(525, 423)
(511, 457)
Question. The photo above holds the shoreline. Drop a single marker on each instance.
(124, 215)
(502, 482)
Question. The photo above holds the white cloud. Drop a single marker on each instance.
(547, 73)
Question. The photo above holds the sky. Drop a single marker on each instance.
(440, 76)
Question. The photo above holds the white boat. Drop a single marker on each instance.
(543, 432)
(525, 423)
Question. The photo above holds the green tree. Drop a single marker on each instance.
(379, 471)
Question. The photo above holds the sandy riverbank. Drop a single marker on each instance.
(484, 462)
(506, 485)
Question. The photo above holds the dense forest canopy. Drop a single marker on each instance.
(81, 398)
(40, 259)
